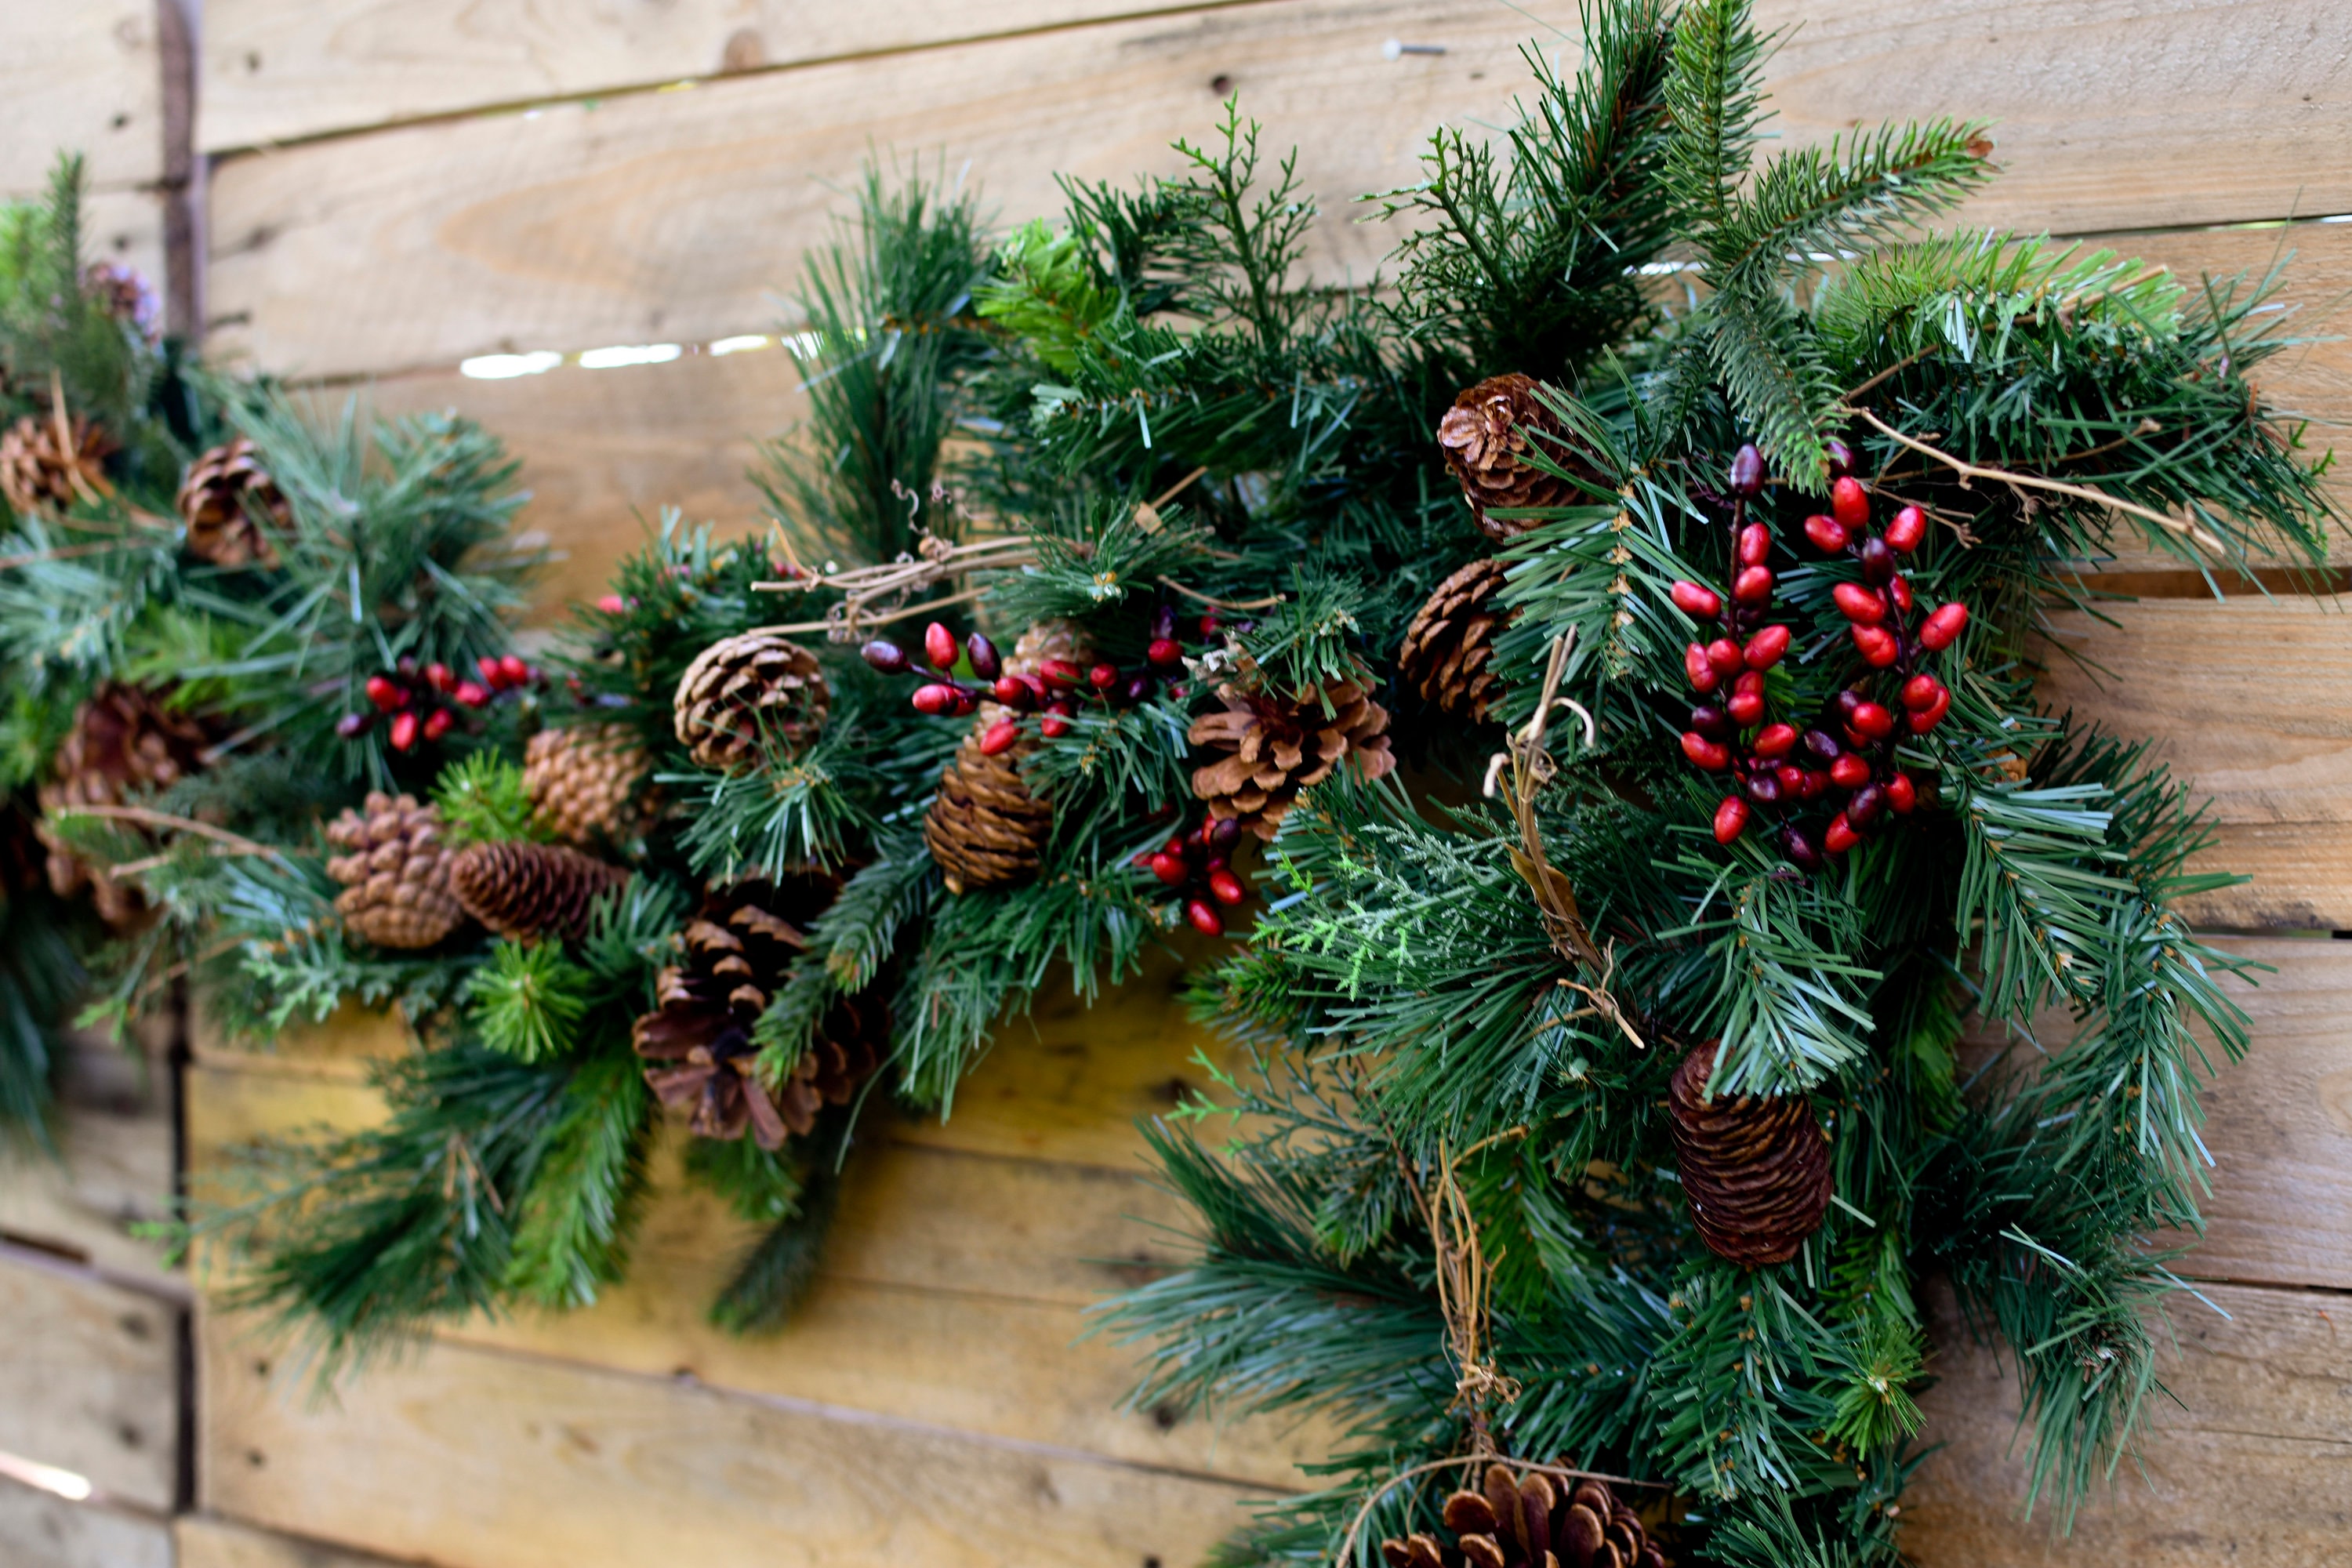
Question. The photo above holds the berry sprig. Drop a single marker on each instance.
(423, 704)
(1054, 692)
(1197, 865)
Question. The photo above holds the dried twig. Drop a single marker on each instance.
(1198, 597)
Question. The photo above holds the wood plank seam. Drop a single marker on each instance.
(30, 1253)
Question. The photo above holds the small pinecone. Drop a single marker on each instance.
(1450, 646)
(123, 294)
(985, 828)
(583, 780)
(1485, 437)
(524, 890)
(395, 873)
(697, 1044)
(1532, 1520)
(1280, 747)
(741, 687)
(37, 470)
(1757, 1170)
(124, 739)
(233, 508)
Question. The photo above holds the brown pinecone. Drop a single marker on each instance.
(985, 828)
(1450, 645)
(233, 506)
(394, 870)
(124, 739)
(741, 687)
(583, 780)
(1755, 1169)
(525, 890)
(123, 294)
(697, 1044)
(37, 470)
(1280, 747)
(1532, 1520)
(1487, 436)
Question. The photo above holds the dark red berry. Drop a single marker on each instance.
(999, 738)
(1755, 544)
(1765, 649)
(438, 677)
(352, 726)
(1730, 819)
(940, 645)
(1927, 718)
(513, 671)
(1901, 794)
(1800, 849)
(1059, 672)
(1204, 917)
(1700, 669)
(1850, 504)
(1171, 868)
(1753, 586)
(937, 697)
(885, 656)
(1877, 645)
(1226, 888)
(1163, 624)
(1710, 720)
(1828, 534)
(405, 666)
(1858, 604)
(1822, 747)
(1841, 836)
(1920, 690)
(1862, 809)
(1877, 561)
(1692, 599)
(1165, 651)
(982, 654)
(1103, 677)
(1014, 693)
(1746, 471)
(1223, 832)
(1905, 529)
(385, 693)
(1727, 656)
(438, 723)
(1943, 628)
(1849, 772)
(1775, 739)
(1873, 721)
(1901, 588)
(1840, 456)
(1056, 723)
(1764, 788)
(1712, 755)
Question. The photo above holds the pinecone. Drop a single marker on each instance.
(1532, 1520)
(395, 873)
(1281, 747)
(697, 1044)
(1757, 1170)
(739, 688)
(1450, 645)
(525, 890)
(233, 506)
(1487, 436)
(583, 780)
(37, 470)
(124, 739)
(986, 829)
(123, 294)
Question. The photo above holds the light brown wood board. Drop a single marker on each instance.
(111, 1171)
(38, 1529)
(476, 1458)
(2250, 1466)
(89, 1381)
(205, 1541)
(679, 216)
(84, 77)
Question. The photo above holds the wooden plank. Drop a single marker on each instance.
(2227, 692)
(41, 1531)
(89, 1381)
(205, 1541)
(473, 1459)
(86, 78)
(112, 1170)
(2250, 1466)
(277, 70)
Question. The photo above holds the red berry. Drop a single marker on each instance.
(488, 665)
(1901, 794)
(352, 726)
(1208, 624)
(1859, 605)
(1014, 693)
(1204, 917)
(1927, 718)
(1874, 721)
(999, 738)
(982, 654)
(1816, 784)
(513, 672)
(1877, 645)
(1226, 888)
(1164, 651)
(1221, 832)
(1849, 772)
(1746, 471)
(1747, 707)
(613, 605)
(438, 723)
(438, 677)
(1943, 628)
(1103, 677)
(1828, 534)
(1840, 456)
(1712, 755)
(1139, 689)
(472, 693)
(1727, 656)
(1775, 741)
(1920, 690)
(1850, 504)
(1765, 649)
(1841, 836)
(1792, 781)
(938, 696)
(1764, 788)
(1901, 588)
(1697, 665)
(385, 693)
(1862, 809)
(1753, 586)
(1694, 599)
(1755, 544)
(1169, 868)
(967, 701)
(1730, 819)
(403, 732)
(1054, 725)
(940, 645)
(885, 656)
(1059, 672)
(1907, 529)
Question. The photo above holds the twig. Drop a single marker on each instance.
(1196, 595)
(147, 818)
(1897, 368)
(1147, 514)
(884, 619)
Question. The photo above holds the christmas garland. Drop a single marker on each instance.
(1595, 660)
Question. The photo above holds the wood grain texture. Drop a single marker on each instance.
(112, 1170)
(89, 1381)
(39, 1530)
(83, 76)
(475, 1458)
(2251, 1466)
(276, 71)
(205, 1542)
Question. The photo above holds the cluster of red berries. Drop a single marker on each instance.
(421, 704)
(1054, 692)
(1878, 608)
(1196, 866)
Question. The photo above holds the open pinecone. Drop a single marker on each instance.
(583, 780)
(395, 873)
(37, 470)
(1450, 645)
(1532, 1520)
(743, 687)
(1280, 747)
(123, 294)
(233, 508)
(1487, 436)
(985, 828)
(1755, 1169)
(524, 890)
(124, 739)
(697, 1044)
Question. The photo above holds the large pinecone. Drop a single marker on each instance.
(233, 508)
(1487, 436)
(741, 688)
(697, 1044)
(525, 890)
(1450, 646)
(1531, 1521)
(1755, 1169)
(583, 780)
(985, 828)
(37, 470)
(124, 739)
(394, 870)
(1281, 746)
